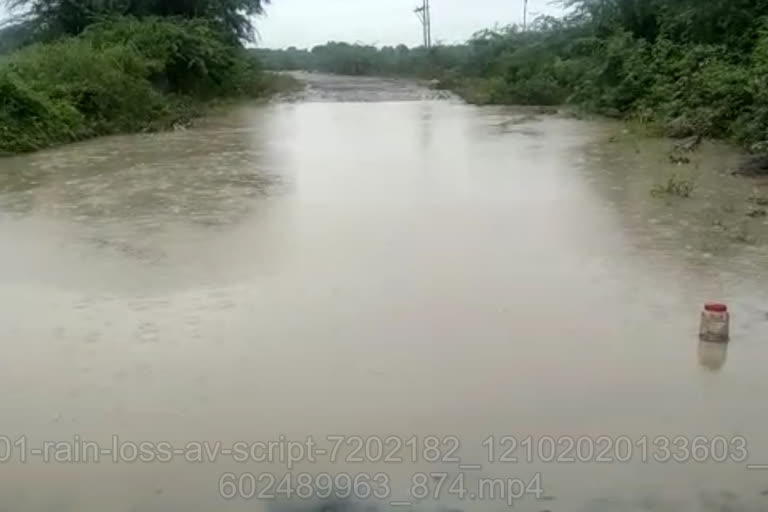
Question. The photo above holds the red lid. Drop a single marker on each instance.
(716, 307)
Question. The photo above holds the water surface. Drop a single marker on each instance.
(369, 259)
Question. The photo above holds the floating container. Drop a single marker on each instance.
(715, 323)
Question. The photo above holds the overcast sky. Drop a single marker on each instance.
(305, 23)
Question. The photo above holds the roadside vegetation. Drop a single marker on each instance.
(681, 67)
(76, 69)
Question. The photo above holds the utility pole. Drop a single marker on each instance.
(525, 15)
(428, 10)
(425, 16)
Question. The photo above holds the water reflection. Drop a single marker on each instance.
(712, 356)
(426, 120)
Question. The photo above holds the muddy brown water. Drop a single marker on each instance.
(369, 258)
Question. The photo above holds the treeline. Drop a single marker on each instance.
(685, 66)
(348, 59)
(75, 69)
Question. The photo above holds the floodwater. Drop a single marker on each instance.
(369, 258)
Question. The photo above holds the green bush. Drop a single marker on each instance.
(181, 56)
(121, 75)
(30, 120)
(107, 86)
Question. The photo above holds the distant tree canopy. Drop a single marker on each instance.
(71, 17)
(15, 36)
(355, 59)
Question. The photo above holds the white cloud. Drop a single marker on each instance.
(304, 23)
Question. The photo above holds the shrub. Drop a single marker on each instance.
(107, 87)
(122, 75)
(30, 120)
(181, 56)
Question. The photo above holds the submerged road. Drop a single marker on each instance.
(371, 258)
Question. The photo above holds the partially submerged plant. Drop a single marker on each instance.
(757, 199)
(674, 186)
(741, 234)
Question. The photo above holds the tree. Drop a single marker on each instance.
(731, 22)
(73, 16)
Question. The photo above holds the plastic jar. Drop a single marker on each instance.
(715, 323)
